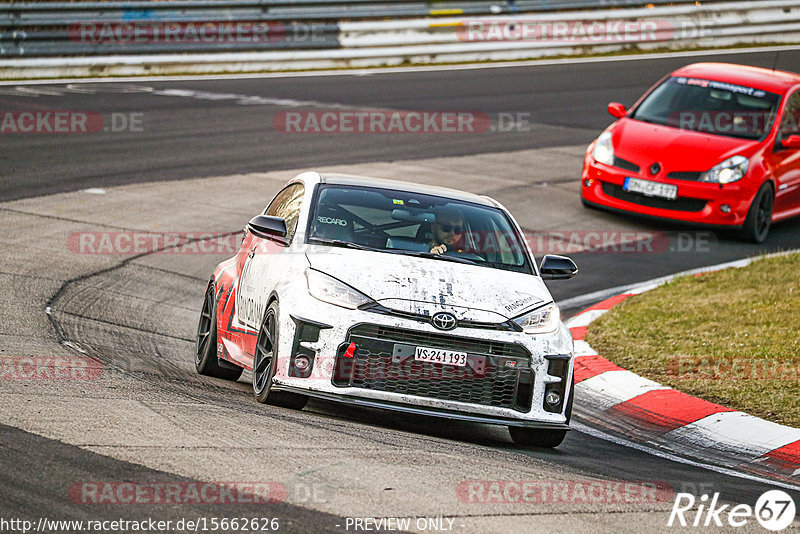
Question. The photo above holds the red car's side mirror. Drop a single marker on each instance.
(793, 141)
(617, 110)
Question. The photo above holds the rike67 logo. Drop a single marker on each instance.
(774, 510)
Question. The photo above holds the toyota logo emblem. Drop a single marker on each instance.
(444, 321)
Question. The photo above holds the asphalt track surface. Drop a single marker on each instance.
(137, 316)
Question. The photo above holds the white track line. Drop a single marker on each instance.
(401, 70)
(669, 456)
(739, 432)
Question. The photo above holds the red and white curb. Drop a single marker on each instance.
(622, 402)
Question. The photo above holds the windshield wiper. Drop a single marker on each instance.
(340, 243)
(348, 244)
(433, 256)
(650, 121)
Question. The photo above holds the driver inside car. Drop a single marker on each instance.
(447, 231)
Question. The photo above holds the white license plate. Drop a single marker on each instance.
(447, 357)
(651, 189)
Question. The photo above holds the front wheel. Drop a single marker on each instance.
(537, 437)
(205, 360)
(759, 216)
(541, 437)
(265, 363)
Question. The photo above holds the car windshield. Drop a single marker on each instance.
(401, 222)
(710, 106)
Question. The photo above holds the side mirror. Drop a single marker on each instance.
(268, 227)
(617, 110)
(557, 268)
(793, 141)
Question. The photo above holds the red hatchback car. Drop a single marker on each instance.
(710, 144)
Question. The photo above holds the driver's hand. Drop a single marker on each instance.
(439, 249)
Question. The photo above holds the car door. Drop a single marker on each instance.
(259, 275)
(785, 162)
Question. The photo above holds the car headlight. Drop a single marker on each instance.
(540, 321)
(604, 149)
(329, 289)
(730, 170)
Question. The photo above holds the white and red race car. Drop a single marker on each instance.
(393, 295)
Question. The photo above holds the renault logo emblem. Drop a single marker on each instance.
(655, 168)
(444, 321)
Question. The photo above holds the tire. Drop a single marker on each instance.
(205, 360)
(264, 365)
(542, 437)
(759, 216)
(537, 437)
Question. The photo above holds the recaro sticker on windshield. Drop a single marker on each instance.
(331, 220)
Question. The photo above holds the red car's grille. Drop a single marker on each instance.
(679, 204)
(685, 175)
(625, 164)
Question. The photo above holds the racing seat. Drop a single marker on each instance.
(333, 223)
(424, 233)
(419, 243)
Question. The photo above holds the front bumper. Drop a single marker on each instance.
(431, 412)
(325, 343)
(697, 202)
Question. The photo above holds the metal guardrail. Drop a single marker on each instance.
(296, 44)
(42, 29)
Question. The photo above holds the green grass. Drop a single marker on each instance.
(731, 337)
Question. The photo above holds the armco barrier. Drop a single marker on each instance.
(101, 38)
(48, 28)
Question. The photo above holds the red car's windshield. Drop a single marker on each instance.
(710, 106)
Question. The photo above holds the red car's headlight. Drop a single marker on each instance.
(604, 149)
(730, 170)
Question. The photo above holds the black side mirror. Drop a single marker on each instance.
(557, 268)
(268, 227)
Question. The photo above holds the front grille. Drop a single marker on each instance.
(679, 204)
(625, 164)
(685, 175)
(488, 379)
